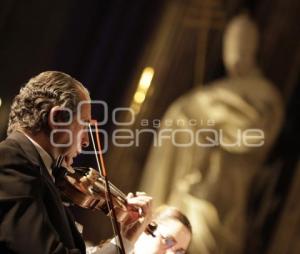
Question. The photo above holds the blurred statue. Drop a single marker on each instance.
(234, 122)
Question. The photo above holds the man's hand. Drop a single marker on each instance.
(139, 216)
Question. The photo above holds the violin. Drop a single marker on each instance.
(86, 188)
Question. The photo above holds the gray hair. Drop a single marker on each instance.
(31, 107)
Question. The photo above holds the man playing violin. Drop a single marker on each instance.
(33, 218)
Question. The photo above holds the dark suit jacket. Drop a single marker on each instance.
(33, 219)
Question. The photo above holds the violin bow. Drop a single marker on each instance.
(108, 196)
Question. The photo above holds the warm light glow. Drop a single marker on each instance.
(135, 107)
(146, 78)
(0, 102)
(142, 89)
(139, 97)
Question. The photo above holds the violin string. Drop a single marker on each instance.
(59, 161)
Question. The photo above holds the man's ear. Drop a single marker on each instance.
(59, 116)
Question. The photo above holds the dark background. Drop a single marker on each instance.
(97, 42)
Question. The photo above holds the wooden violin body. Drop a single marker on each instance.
(84, 187)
